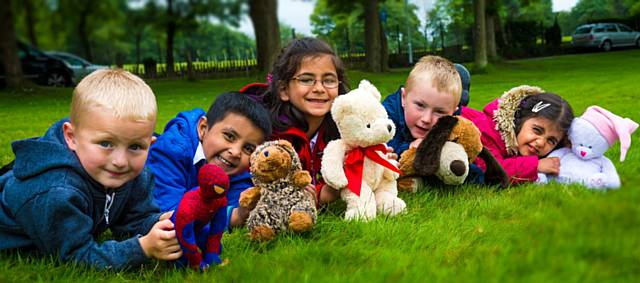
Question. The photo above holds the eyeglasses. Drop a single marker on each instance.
(311, 81)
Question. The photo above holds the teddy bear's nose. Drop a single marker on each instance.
(389, 128)
(266, 153)
(457, 167)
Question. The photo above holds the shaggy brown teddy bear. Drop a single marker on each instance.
(445, 154)
(279, 196)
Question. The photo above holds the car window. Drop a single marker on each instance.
(72, 61)
(624, 28)
(34, 52)
(583, 30)
(611, 28)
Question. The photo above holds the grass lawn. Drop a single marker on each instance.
(527, 233)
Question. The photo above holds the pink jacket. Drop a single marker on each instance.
(519, 168)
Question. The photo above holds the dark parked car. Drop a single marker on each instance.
(41, 68)
(80, 67)
(605, 36)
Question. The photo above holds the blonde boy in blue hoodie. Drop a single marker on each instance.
(86, 175)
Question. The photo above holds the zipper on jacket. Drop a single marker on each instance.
(107, 205)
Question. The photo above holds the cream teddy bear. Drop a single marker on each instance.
(357, 161)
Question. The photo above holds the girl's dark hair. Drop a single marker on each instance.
(558, 111)
(283, 114)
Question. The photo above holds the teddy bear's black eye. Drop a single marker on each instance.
(368, 125)
(266, 153)
(589, 147)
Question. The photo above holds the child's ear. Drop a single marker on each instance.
(284, 96)
(403, 96)
(69, 135)
(202, 127)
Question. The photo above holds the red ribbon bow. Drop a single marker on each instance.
(354, 162)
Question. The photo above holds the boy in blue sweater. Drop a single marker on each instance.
(434, 88)
(86, 175)
(226, 135)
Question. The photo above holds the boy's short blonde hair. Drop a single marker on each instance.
(440, 72)
(116, 90)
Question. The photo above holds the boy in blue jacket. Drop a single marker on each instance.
(434, 88)
(225, 135)
(86, 175)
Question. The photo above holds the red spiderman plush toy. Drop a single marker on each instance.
(201, 218)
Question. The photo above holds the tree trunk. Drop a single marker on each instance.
(480, 33)
(373, 43)
(171, 31)
(138, 40)
(82, 29)
(384, 51)
(267, 30)
(31, 22)
(492, 51)
(9, 46)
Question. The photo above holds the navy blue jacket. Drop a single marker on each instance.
(171, 161)
(402, 138)
(49, 202)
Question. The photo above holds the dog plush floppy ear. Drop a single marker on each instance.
(495, 174)
(431, 147)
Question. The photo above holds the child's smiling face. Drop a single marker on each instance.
(229, 142)
(538, 136)
(111, 149)
(423, 105)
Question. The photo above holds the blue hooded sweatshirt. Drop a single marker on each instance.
(171, 161)
(49, 202)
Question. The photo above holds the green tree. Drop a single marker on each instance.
(480, 35)
(265, 24)
(8, 46)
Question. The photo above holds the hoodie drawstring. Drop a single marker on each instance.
(107, 205)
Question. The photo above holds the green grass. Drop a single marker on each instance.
(528, 233)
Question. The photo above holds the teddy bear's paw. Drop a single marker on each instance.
(542, 178)
(408, 184)
(301, 179)
(300, 221)
(249, 198)
(392, 206)
(597, 181)
(338, 182)
(262, 233)
(360, 213)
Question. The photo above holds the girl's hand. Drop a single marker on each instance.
(549, 165)
(328, 194)
(311, 190)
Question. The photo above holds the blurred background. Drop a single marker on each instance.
(57, 42)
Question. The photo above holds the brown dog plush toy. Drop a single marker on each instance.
(444, 156)
(279, 197)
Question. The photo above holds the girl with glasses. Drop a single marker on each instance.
(305, 79)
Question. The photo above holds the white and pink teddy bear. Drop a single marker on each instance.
(591, 135)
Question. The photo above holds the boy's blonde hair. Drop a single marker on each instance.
(116, 90)
(440, 72)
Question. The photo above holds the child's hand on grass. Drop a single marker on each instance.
(161, 242)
